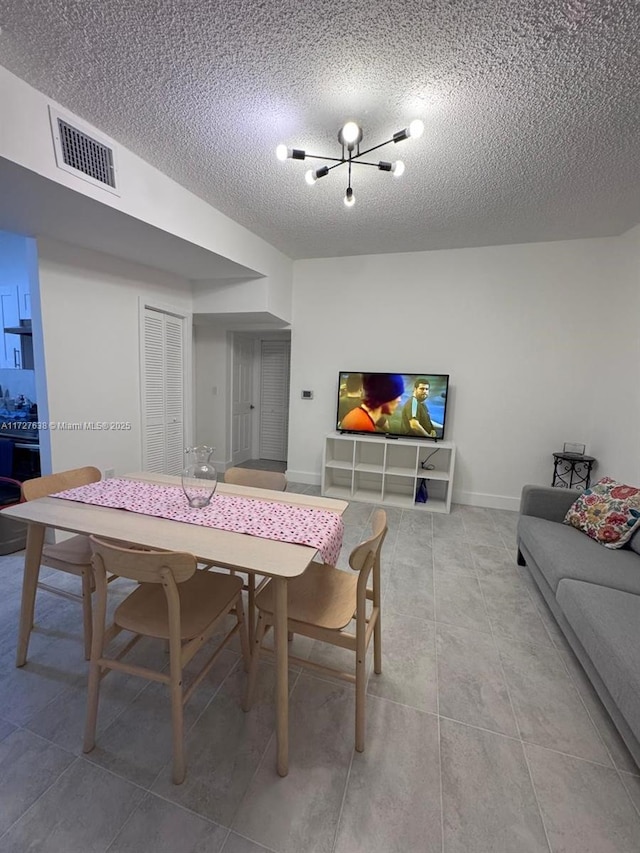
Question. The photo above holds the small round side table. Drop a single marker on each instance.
(572, 470)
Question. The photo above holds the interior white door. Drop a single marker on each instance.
(242, 406)
(274, 399)
(163, 392)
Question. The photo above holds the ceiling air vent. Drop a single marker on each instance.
(82, 152)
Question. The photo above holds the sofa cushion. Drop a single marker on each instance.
(607, 623)
(634, 543)
(560, 552)
(608, 512)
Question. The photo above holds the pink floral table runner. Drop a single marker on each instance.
(317, 528)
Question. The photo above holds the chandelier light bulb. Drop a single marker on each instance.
(350, 132)
(397, 168)
(282, 152)
(416, 128)
(349, 199)
(310, 177)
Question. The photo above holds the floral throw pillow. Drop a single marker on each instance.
(608, 512)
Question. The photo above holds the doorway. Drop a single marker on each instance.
(260, 408)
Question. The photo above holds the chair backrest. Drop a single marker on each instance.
(365, 554)
(10, 491)
(40, 487)
(139, 565)
(274, 480)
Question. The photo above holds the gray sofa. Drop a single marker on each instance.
(594, 594)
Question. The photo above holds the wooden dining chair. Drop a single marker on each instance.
(274, 480)
(13, 534)
(321, 604)
(277, 482)
(174, 602)
(72, 555)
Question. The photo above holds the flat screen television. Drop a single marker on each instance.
(395, 404)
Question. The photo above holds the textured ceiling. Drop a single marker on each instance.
(531, 109)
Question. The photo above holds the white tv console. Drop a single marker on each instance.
(385, 470)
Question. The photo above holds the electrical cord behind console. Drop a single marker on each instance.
(423, 463)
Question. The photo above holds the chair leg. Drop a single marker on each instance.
(93, 687)
(87, 617)
(244, 637)
(255, 660)
(360, 701)
(93, 695)
(177, 713)
(377, 646)
(251, 609)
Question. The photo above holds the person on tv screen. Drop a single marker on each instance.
(415, 415)
(380, 397)
(350, 395)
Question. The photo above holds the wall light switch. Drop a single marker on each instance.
(307, 395)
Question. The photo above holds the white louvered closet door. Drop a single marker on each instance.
(274, 399)
(163, 392)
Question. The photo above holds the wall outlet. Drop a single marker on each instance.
(109, 472)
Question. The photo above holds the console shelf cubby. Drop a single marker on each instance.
(384, 470)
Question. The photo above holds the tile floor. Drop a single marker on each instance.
(482, 732)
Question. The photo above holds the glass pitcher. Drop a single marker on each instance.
(199, 477)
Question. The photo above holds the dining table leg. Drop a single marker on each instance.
(32, 558)
(282, 675)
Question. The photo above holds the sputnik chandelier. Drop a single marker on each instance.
(350, 137)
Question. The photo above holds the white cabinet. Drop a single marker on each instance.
(384, 470)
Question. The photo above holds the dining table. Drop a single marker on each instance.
(278, 560)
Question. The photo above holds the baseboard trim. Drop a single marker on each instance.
(488, 501)
(308, 478)
(305, 477)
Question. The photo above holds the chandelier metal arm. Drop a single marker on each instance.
(320, 157)
(356, 162)
(338, 163)
(355, 158)
(365, 163)
(373, 148)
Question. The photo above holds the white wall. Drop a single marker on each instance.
(212, 354)
(617, 436)
(523, 330)
(89, 305)
(230, 296)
